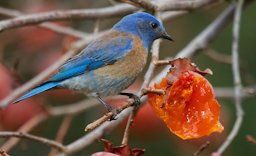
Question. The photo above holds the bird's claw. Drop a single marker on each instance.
(137, 101)
(113, 117)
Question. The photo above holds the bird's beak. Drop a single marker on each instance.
(167, 36)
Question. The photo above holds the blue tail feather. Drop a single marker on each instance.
(37, 90)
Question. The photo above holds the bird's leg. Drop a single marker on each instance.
(108, 107)
(136, 99)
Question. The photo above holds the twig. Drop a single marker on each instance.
(202, 40)
(250, 139)
(3, 153)
(170, 5)
(218, 56)
(64, 128)
(62, 132)
(162, 62)
(146, 4)
(128, 127)
(101, 13)
(5, 134)
(96, 133)
(51, 26)
(155, 91)
(72, 108)
(108, 116)
(206, 36)
(77, 46)
(184, 5)
(236, 77)
(202, 148)
(167, 15)
(28, 126)
(228, 92)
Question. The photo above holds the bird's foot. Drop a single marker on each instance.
(137, 101)
(113, 117)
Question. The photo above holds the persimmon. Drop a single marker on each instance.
(189, 107)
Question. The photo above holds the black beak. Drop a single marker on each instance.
(167, 36)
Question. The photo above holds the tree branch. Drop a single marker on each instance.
(184, 4)
(62, 132)
(236, 78)
(202, 40)
(101, 13)
(28, 126)
(34, 138)
(47, 25)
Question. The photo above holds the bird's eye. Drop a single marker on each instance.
(154, 25)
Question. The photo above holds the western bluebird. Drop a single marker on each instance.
(110, 63)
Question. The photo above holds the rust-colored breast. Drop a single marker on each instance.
(130, 66)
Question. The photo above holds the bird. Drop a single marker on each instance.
(110, 63)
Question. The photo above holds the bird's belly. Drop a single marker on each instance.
(111, 79)
(104, 85)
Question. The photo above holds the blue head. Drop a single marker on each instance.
(144, 26)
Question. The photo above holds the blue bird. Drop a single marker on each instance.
(110, 63)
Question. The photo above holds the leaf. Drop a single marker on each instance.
(123, 150)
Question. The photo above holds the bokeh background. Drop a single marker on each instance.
(27, 51)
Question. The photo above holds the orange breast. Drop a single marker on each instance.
(131, 65)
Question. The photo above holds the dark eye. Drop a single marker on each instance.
(154, 25)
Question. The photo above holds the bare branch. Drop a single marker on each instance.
(236, 77)
(97, 133)
(204, 38)
(101, 13)
(51, 26)
(228, 92)
(42, 140)
(170, 5)
(169, 15)
(108, 116)
(128, 127)
(218, 56)
(155, 91)
(184, 5)
(3, 153)
(202, 148)
(146, 4)
(250, 139)
(62, 132)
(28, 126)
(72, 108)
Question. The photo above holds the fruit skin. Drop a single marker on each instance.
(145, 118)
(15, 115)
(5, 82)
(190, 109)
(104, 154)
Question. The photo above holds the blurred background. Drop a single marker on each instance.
(27, 51)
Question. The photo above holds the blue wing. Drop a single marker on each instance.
(103, 51)
(99, 53)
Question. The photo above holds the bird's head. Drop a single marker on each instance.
(144, 26)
